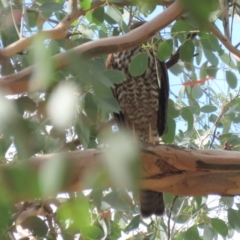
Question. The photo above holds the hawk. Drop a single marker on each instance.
(143, 102)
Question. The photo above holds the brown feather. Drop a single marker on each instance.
(142, 102)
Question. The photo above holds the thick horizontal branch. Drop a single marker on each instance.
(165, 168)
(18, 83)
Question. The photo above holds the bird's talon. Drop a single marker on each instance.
(151, 144)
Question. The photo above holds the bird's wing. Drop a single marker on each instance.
(119, 117)
(162, 96)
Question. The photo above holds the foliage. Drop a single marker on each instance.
(75, 100)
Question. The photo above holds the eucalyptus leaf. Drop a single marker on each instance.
(139, 64)
(231, 79)
(219, 226)
(187, 50)
(165, 50)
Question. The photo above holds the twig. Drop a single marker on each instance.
(22, 18)
(223, 110)
(179, 211)
(13, 18)
(225, 14)
(169, 217)
(223, 40)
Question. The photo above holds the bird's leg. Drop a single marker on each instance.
(134, 133)
(150, 140)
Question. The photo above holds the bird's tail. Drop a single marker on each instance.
(151, 202)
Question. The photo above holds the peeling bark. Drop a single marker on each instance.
(165, 168)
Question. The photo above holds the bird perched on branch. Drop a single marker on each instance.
(143, 101)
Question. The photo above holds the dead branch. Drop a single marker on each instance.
(165, 168)
(18, 83)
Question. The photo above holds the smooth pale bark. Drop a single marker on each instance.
(165, 168)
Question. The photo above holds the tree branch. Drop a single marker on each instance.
(224, 40)
(18, 83)
(60, 30)
(165, 168)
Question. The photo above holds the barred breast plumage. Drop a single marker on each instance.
(143, 101)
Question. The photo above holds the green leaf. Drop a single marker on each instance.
(219, 226)
(192, 233)
(176, 69)
(5, 143)
(100, 89)
(82, 130)
(234, 219)
(124, 27)
(231, 79)
(210, 43)
(25, 104)
(20, 176)
(180, 26)
(187, 116)
(85, 4)
(208, 233)
(228, 60)
(75, 209)
(90, 107)
(134, 223)
(108, 103)
(48, 8)
(197, 92)
(236, 118)
(198, 200)
(115, 76)
(227, 201)
(111, 198)
(203, 72)
(138, 64)
(91, 232)
(172, 111)
(113, 15)
(199, 56)
(36, 225)
(200, 10)
(32, 19)
(169, 135)
(208, 108)
(165, 50)
(98, 15)
(211, 71)
(97, 195)
(146, 8)
(187, 51)
(6, 210)
(194, 106)
(168, 198)
(211, 57)
(96, 73)
(115, 233)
